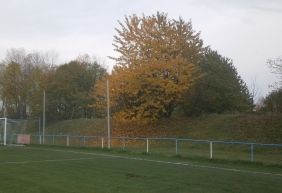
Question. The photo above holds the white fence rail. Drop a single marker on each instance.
(232, 150)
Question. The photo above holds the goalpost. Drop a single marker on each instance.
(14, 131)
(3, 134)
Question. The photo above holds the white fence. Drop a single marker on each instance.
(231, 150)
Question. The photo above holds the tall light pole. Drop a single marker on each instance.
(5, 131)
(5, 123)
(108, 115)
(43, 121)
(5, 112)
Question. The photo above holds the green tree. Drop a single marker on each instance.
(273, 102)
(219, 90)
(68, 90)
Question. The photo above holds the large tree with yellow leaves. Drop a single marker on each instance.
(155, 65)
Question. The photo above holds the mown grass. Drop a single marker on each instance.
(185, 148)
(59, 170)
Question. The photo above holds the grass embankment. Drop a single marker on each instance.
(261, 128)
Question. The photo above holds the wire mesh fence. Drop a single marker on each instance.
(228, 150)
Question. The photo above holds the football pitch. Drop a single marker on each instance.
(39, 169)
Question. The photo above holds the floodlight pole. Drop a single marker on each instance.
(5, 112)
(39, 132)
(5, 124)
(43, 121)
(5, 131)
(108, 115)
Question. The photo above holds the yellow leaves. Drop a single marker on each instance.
(155, 66)
(147, 92)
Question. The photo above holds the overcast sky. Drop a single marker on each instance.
(247, 31)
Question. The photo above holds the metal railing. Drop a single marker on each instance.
(231, 150)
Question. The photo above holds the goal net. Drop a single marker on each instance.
(3, 131)
(12, 130)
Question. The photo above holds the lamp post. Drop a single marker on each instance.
(108, 115)
(43, 121)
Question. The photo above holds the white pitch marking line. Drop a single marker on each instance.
(167, 162)
(41, 161)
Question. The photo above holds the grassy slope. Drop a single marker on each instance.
(263, 128)
(78, 127)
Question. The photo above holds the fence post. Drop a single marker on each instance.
(252, 152)
(210, 149)
(123, 143)
(176, 146)
(53, 139)
(147, 144)
(40, 140)
(102, 142)
(68, 140)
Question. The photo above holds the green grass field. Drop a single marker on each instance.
(43, 169)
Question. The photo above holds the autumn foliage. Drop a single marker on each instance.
(154, 68)
(161, 66)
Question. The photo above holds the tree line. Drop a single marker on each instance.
(273, 101)
(25, 76)
(161, 67)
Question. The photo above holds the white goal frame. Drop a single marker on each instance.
(5, 131)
